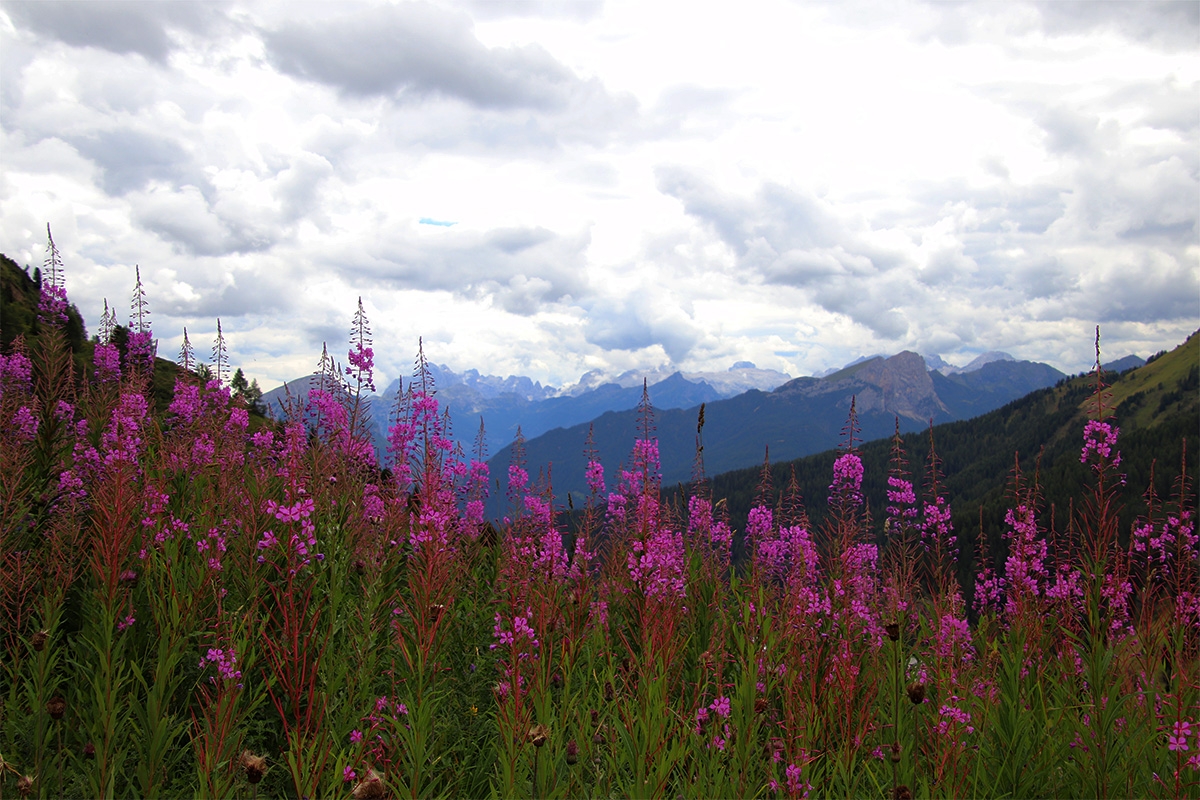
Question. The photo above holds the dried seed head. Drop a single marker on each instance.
(893, 631)
(39, 639)
(595, 716)
(916, 693)
(358, 566)
(56, 706)
(556, 680)
(254, 766)
(538, 735)
(895, 752)
(89, 750)
(572, 753)
(25, 785)
(370, 787)
(902, 792)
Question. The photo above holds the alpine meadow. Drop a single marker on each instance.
(199, 600)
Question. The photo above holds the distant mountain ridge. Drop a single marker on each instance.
(741, 377)
(1156, 404)
(794, 417)
(800, 417)
(518, 402)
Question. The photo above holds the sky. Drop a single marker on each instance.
(543, 188)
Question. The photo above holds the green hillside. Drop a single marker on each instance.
(1156, 406)
(19, 294)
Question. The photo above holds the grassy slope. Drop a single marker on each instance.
(18, 317)
(1156, 407)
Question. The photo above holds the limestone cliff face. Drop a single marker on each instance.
(898, 385)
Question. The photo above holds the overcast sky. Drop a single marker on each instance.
(540, 187)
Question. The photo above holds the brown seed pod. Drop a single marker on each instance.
(916, 693)
(56, 706)
(370, 787)
(902, 792)
(893, 631)
(895, 752)
(39, 639)
(254, 766)
(538, 735)
(572, 753)
(25, 785)
(89, 750)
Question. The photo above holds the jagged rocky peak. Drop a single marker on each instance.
(897, 385)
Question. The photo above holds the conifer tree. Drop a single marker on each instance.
(220, 356)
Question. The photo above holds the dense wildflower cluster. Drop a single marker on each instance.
(657, 565)
(519, 643)
(1099, 444)
(639, 646)
(902, 503)
(225, 660)
(1025, 569)
(303, 544)
(846, 489)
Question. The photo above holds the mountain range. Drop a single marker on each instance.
(506, 404)
(1156, 406)
(749, 412)
(749, 408)
(802, 416)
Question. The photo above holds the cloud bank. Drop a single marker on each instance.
(545, 189)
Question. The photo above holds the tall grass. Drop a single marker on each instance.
(195, 608)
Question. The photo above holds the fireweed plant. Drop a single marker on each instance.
(200, 603)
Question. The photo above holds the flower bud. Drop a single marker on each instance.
(56, 706)
(39, 639)
(89, 750)
(902, 792)
(572, 753)
(895, 752)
